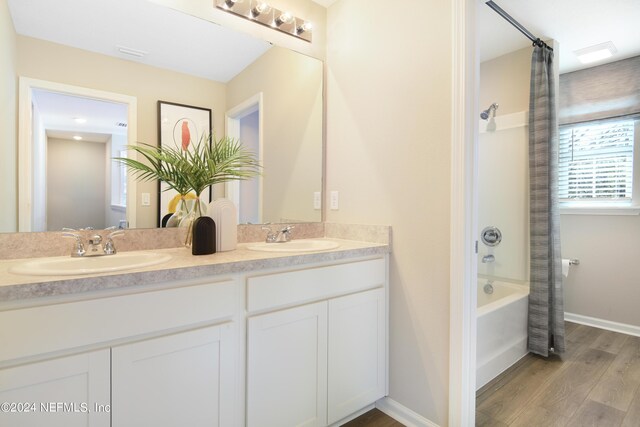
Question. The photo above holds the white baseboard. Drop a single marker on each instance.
(403, 414)
(603, 324)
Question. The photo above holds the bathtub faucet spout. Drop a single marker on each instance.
(488, 258)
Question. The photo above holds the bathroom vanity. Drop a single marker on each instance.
(230, 339)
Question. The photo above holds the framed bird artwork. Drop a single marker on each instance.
(179, 126)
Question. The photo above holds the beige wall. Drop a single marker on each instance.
(8, 122)
(305, 9)
(75, 195)
(505, 80)
(388, 154)
(606, 283)
(53, 62)
(291, 85)
(503, 165)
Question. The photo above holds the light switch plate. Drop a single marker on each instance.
(146, 199)
(317, 200)
(334, 200)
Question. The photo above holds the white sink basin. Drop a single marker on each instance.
(303, 245)
(67, 266)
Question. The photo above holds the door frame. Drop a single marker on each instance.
(232, 122)
(464, 212)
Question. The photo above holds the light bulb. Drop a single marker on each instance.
(231, 3)
(260, 8)
(306, 27)
(284, 18)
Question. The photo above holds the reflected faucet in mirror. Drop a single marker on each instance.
(94, 246)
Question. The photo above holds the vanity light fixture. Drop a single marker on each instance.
(262, 13)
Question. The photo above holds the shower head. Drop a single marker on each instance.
(485, 114)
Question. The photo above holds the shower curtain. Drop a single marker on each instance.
(546, 307)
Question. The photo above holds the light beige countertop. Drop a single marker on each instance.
(182, 266)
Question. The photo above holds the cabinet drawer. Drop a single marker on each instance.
(37, 330)
(279, 290)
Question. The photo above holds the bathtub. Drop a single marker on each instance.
(502, 329)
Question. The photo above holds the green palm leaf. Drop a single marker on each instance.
(207, 162)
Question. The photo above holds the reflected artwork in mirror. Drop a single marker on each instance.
(270, 96)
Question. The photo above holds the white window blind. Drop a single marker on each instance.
(596, 161)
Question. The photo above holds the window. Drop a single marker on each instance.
(596, 163)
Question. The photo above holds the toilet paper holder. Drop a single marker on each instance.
(574, 261)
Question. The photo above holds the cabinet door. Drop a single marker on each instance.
(185, 379)
(67, 392)
(357, 356)
(287, 368)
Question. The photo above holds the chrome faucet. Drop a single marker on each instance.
(280, 236)
(94, 245)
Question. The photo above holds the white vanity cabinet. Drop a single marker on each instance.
(34, 394)
(357, 352)
(162, 357)
(297, 346)
(325, 357)
(287, 367)
(175, 380)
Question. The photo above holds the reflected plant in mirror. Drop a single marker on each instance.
(192, 167)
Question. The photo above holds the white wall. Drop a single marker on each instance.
(503, 198)
(8, 121)
(388, 150)
(606, 284)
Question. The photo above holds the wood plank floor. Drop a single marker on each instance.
(595, 383)
(373, 418)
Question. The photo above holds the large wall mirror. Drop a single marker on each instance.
(71, 51)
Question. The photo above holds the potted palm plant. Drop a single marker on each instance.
(207, 162)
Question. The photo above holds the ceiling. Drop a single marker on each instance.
(59, 111)
(171, 40)
(167, 36)
(575, 24)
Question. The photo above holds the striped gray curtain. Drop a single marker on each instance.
(546, 307)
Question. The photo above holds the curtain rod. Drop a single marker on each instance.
(536, 41)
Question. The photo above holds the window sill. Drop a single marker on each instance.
(603, 210)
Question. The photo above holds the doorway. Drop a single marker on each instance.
(116, 190)
(245, 123)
